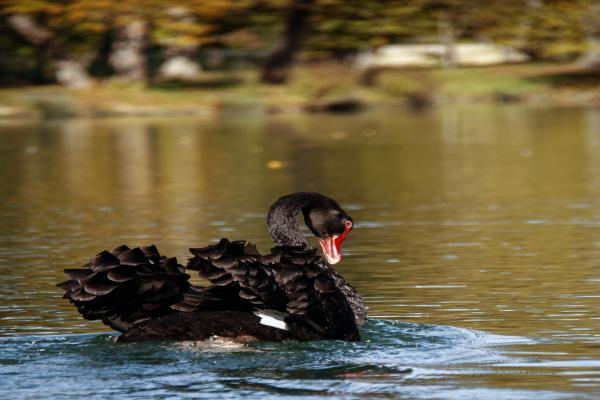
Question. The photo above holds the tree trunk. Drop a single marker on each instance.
(128, 56)
(100, 63)
(276, 68)
(591, 58)
(40, 70)
(448, 40)
(591, 26)
(68, 71)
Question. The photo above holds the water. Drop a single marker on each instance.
(476, 247)
(396, 359)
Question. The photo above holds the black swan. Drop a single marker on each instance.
(291, 293)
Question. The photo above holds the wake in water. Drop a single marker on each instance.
(394, 359)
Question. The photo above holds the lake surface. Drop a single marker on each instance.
(476, 246)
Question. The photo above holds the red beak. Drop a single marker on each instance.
(332, 245)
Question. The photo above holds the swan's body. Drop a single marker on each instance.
(291, 293)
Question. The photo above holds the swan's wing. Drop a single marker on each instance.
(126, 286)
(291, 281)
(313, 294)
(355, 300)
(240, 270)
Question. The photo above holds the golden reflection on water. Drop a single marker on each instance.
(480, 217)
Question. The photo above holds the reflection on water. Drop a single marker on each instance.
(484, 218)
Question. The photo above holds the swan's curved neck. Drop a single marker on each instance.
(282, 219)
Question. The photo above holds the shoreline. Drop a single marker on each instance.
(324, 87)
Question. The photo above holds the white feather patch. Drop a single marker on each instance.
(271, 318)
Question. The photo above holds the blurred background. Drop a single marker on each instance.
(463, 137)
(133, 57)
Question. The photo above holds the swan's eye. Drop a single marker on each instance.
(348, 224)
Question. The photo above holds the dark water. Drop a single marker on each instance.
(477, 248)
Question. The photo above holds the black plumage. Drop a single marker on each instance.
(147, 296)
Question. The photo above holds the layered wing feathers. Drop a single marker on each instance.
(292, 280)
(126, 286)
(239, 267)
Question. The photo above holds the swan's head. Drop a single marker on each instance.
(323, 216)
(331, 224)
